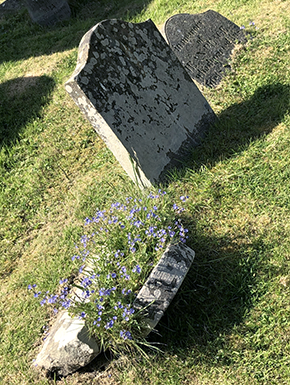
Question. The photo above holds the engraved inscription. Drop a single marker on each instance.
(204, 44)
(164, 282)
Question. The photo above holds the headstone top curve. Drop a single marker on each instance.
(203, 43)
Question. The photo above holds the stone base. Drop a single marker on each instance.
(68, 346)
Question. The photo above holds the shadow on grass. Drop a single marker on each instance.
(21, 100)
(221, 287)
(21, 39)
(218, 292)
(223, 284)
(240, 124)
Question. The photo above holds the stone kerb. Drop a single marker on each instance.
(138, 97)
(68, 346)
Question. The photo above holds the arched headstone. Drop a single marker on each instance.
(138, 97)
(203, 43)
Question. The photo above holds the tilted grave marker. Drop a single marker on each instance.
(203, 43)
(69, 346)
(138, 97)
(163, 283)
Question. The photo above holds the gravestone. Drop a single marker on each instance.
(163, 283)
(203, 43)
(138, 97)
(9, 7)
(68, 345)
(48, 12)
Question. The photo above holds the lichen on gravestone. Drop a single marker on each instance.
(139, 98)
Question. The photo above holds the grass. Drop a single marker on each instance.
(55, 171)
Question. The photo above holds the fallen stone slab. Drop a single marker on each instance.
(139, 98)
(68, 346)
(163, 283)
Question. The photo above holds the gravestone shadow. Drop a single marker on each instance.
(21, 100)
(218, 290)
(216, 294)
(241, 124)
(235, 128)
(20, 38)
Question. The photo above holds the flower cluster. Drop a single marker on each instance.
(251, 24)
(114, 258)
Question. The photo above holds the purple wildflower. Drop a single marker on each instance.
(109, 324)
(125, 334)
(136, 269)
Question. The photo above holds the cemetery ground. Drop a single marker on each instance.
(230, 321)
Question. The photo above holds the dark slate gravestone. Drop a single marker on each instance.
(138, 97)
(203, 43)
(9, 7)
(48, 12)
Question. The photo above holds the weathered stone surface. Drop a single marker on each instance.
(164, 282)
(138, 97)
(203, 43)
(48, 12)
(11, 6)
(68, 346)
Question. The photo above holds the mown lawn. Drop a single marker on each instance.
(230, 322)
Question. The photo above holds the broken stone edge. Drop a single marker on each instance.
(69, 347)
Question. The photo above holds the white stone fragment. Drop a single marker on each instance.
(68, 346)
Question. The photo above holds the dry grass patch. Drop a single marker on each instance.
(269, 13)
